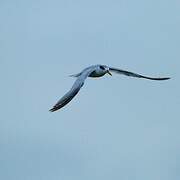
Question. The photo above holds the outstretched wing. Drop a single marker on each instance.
(73, 91)
(128, 73)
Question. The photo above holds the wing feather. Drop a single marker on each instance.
(128, 73)
(73, 91)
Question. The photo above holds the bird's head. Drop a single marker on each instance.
(105, 69)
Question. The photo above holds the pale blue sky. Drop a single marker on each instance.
(117, 127)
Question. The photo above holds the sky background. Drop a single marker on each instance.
(117, 127)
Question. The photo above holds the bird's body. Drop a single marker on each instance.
(94, 71)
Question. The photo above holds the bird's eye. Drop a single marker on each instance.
(102, 67)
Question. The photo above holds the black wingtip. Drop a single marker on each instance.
(53, 109)
(157, 79)
(166, 78)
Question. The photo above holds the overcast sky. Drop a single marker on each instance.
(117, 127)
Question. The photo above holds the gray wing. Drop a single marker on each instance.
(73, 91)
(128, 73)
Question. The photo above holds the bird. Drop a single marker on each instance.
(95, 71)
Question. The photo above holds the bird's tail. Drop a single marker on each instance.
(75, 75)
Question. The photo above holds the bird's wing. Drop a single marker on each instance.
(128, 73)
(73, 91)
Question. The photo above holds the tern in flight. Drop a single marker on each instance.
(94, 71)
